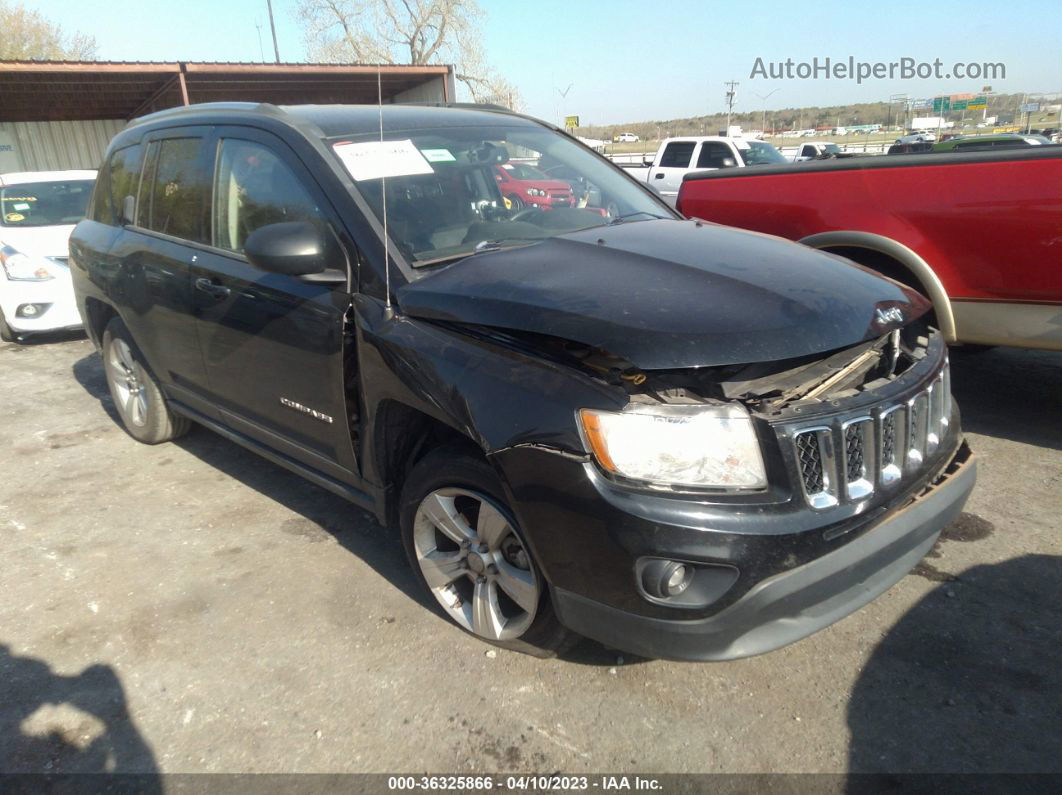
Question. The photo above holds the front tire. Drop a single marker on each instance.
(468, 552)
(136, 393)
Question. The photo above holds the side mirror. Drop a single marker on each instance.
(293, 248)
(128, 211)
(647, 161)
(727, 162)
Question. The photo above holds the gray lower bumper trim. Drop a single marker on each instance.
(793, 604)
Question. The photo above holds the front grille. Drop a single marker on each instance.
(877, 448)
(888, 438)
(810, 462)
(853, 452)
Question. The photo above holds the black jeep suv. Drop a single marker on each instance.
(680, 439)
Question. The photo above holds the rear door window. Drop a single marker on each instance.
(677, 154)
(255, 188)
(174, 195)
(713, 154)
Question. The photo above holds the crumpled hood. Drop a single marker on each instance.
(38, 241)
(670, 294)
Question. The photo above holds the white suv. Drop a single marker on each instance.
(38, 211)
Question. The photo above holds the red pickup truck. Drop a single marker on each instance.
(979, 233)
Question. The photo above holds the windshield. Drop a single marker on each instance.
(761, 153)
(447, 197)
(44, 203)
(831, 149)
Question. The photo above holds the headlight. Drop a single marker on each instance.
(698, 446)
(24, 268)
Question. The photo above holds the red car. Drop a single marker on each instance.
(526, 186)
(977, 232)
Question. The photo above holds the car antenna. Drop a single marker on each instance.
(383, 190)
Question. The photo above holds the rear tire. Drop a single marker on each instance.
(7, 334)
(458, 530)
(136, 394)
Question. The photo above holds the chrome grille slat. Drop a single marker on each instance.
(851, 456)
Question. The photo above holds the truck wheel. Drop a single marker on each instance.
(136, 394)
(468, 552)
(7, 334)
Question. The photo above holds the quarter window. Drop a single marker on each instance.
(118, 180)
(174, 197)
(254, 188)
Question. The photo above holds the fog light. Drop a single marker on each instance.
(31, 310)
(683, 583)
(666, 578)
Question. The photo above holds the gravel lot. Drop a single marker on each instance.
(193, 608)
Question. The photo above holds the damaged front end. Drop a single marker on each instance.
(825, 429)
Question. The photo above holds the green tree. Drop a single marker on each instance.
(29, 36)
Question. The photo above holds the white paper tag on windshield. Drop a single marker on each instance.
(438, 155)
(376, 159)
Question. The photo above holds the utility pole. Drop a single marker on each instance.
(730, 93)
(763, 119)
(273, 27)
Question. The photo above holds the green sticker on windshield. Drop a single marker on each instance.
(438, 155)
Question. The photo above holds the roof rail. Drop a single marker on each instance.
(181, 110)
(465, 105)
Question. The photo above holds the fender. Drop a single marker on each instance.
(906, 257)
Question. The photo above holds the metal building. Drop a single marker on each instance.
(62, 114)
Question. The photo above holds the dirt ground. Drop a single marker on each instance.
(192, 608)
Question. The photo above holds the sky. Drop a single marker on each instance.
(636, 61)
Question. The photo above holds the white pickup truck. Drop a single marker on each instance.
(677, 157)
(811, 151)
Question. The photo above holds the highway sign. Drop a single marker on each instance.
(571, 122)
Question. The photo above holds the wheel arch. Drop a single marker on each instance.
(97, 315)
(402, 435)
(903, 257)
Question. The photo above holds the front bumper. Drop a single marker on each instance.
(58, 292)
(795, 603)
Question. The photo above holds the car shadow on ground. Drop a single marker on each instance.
(1010, 393)
(55, 724)
(353, 528)
(36, 340)
(968, 680)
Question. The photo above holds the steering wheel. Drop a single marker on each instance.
(525, 213)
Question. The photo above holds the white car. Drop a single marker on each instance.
(627, 138)
(38, 211)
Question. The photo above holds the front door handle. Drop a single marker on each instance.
(212, 289)
(659, 176)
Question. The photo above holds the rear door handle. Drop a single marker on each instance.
(212, 289)
(659, 176)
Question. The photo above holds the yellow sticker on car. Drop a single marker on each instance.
(14, 218)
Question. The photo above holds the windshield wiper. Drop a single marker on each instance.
(481, 247)
(619, 219)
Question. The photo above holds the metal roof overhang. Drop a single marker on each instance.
(80, 90)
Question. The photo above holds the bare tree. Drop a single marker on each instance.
(29, 36)
(405, 32)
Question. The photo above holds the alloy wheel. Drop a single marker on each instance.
(122, 371)
(475, 563)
